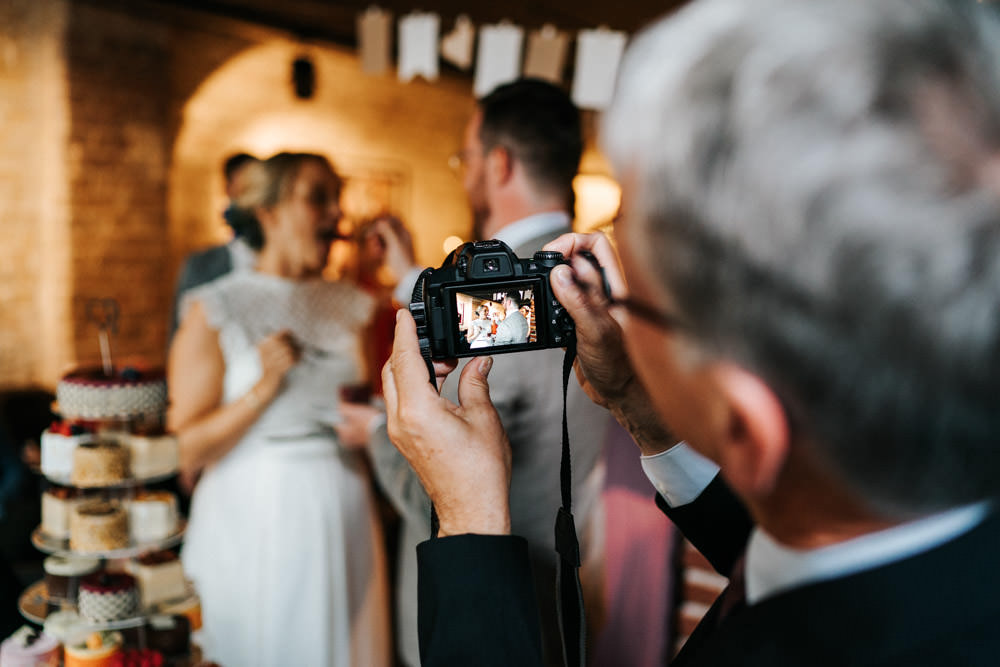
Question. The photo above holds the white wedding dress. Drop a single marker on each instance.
(283, 544)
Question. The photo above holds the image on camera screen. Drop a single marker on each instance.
(495, 317)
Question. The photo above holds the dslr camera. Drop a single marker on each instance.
(485, 300)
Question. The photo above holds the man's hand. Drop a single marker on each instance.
(460, 452)
(355, 425)
(602, 365)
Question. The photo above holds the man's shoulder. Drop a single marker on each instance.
(206, 264)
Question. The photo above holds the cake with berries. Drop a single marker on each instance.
(63, 575)
(29, 648)
(160, 577)
(59, 441)
(104, 463)
(97, 526)
(99, 649)
(125, 394)
(58, 503)
(108, 596)
(152, 516)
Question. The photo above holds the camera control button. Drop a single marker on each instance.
(548, 258)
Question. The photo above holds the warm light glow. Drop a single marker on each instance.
(597, 200)
(451, 243)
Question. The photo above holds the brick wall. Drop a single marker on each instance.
(113, 128)
(117, 176)
(34, 283)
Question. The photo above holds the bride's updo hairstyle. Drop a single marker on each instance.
(267, 183)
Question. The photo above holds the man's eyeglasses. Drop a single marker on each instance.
(651, 314)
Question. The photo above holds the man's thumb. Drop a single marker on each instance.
(473, 387)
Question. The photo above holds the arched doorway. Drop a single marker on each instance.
(391, 140)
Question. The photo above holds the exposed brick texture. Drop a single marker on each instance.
(113, 127)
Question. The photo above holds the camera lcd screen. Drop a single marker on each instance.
(494, 318)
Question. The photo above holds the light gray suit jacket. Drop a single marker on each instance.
(526, 388)
(513, 329)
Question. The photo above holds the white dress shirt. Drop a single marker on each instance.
(680, 474)
(514, 234)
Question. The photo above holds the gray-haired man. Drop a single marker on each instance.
(812, 248)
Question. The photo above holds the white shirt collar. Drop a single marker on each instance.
(519, 232)
(772, 568)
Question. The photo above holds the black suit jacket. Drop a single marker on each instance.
(938, 608)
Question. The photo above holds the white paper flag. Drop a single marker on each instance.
(546, 56)
(456, 46)
(374, 37)
(598, 54)
(498, 58)
(418, 39)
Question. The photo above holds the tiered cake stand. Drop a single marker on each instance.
(35, 603)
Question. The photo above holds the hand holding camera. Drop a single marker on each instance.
(485, 300)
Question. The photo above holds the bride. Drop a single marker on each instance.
(282, 543)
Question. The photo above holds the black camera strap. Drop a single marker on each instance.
(569, 593)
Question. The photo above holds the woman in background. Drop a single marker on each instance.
(282, 542)
(376, 239)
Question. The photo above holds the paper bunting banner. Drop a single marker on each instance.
(598, 54)
(498, 58)
(374, 40)
(456, 46)
(418, 41)
(546, 56)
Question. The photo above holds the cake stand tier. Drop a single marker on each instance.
(127, 483)
(34, 606)
(60, 547)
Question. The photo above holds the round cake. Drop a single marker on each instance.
(62, 575)
(99, 464)
(96, 526)
(29, 648)
(97, 650)
(127, 394)
(107, 596)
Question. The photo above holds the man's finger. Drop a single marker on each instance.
(408, 368)
(389, 390)
(569, 244)
(473, 388)
(596, 243)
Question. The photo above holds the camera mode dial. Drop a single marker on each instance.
(548, 257)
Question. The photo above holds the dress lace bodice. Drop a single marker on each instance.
(325, 318)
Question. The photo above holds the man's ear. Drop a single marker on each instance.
(499, 165)
(754, 443)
